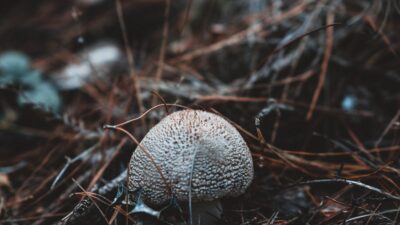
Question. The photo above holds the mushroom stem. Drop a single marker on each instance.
(206, 213)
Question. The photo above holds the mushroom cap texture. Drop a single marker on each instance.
(196, 146)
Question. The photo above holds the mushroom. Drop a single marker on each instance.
(195, 156)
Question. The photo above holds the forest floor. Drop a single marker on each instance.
(312, 86)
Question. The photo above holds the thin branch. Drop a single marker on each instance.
(83, 155)
(146, 152)
(372, 214)
(129, 54)
(145, 113)
(351, 182)
(164, 42)
(388, 127)
(324, 67)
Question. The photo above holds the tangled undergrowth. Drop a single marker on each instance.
(313, 87)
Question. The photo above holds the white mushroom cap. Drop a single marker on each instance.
(192, 149)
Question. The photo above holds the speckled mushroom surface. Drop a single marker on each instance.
(191, 144)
